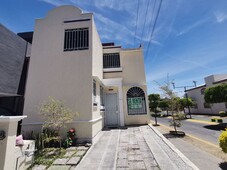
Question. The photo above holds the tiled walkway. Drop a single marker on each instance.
(120, 149)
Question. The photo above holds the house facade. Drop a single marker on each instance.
(104, 83)
(197, 94)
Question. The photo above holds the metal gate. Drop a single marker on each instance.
(111, 109)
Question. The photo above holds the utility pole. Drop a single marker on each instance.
(186, 95)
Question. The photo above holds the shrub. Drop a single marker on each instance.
(223, 141)
(219, 120)
(71, 134)
(222, 113)
(213, 120)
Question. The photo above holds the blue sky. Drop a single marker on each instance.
(189, 41)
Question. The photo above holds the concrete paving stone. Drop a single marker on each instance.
(122, 163)
(80, 153)
(137, 165)
(69, 153)
(122, 149)
(123, 144)
(135, 147)
(135, 158)
(150, 162)
(39, 167)
(147, 154)
(122, 155)
(82, 148)
(59, 167)
(60, 161)
(73, 161)
(122, 168)
(73, 148)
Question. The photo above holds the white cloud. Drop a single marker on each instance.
(220, 16)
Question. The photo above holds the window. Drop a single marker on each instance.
(94, 92)
(101, 96)
(76, 39)
(136, 101)
(111, 60)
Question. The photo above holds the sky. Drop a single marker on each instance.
(183, 41)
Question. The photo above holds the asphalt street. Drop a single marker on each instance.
(199, 130)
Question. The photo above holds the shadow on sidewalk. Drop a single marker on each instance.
(168, 135)
(218, 127)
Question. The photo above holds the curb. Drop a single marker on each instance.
(183, 157)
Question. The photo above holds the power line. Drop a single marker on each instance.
(153, 28)
(145, 21)
(152, 15)
(136, 20)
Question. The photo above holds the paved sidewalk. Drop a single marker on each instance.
(202, 159)
(139, 147)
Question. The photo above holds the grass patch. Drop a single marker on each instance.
(47, 156)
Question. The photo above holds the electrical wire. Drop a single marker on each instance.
(136, 20)
(141, 41)
(153, 28)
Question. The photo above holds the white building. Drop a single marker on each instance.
(197, 94)
(104, 83)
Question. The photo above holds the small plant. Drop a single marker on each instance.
(222, 114)
(213, 120)
(223, 141)
(71, 134)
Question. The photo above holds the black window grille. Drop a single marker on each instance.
(111, 60)
(76, 39)
(136, 101)
(101, 96)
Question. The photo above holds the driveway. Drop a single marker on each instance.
(140, 147)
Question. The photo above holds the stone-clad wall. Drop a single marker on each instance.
(12, 55)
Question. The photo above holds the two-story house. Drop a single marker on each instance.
(104, 83)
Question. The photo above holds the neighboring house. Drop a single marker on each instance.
(104, 83)
(14, 55)
(13, 67)
(197, 94)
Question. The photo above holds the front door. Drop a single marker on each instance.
(111, 108)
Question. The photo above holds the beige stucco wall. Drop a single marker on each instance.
(132, 74)
(196, 95)
(66, 76)
(134, 119)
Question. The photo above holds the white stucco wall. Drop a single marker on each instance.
(66, 76)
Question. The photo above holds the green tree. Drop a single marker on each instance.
(56, 115)
(185, 102)
(216, 94)
(164, 104)
(153, 105)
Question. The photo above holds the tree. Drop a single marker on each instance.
(216, 94)
(164, 104)
(174, 104)
(185, 102)
(153, 104)
(56, 115)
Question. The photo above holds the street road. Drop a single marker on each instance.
(196, 129)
